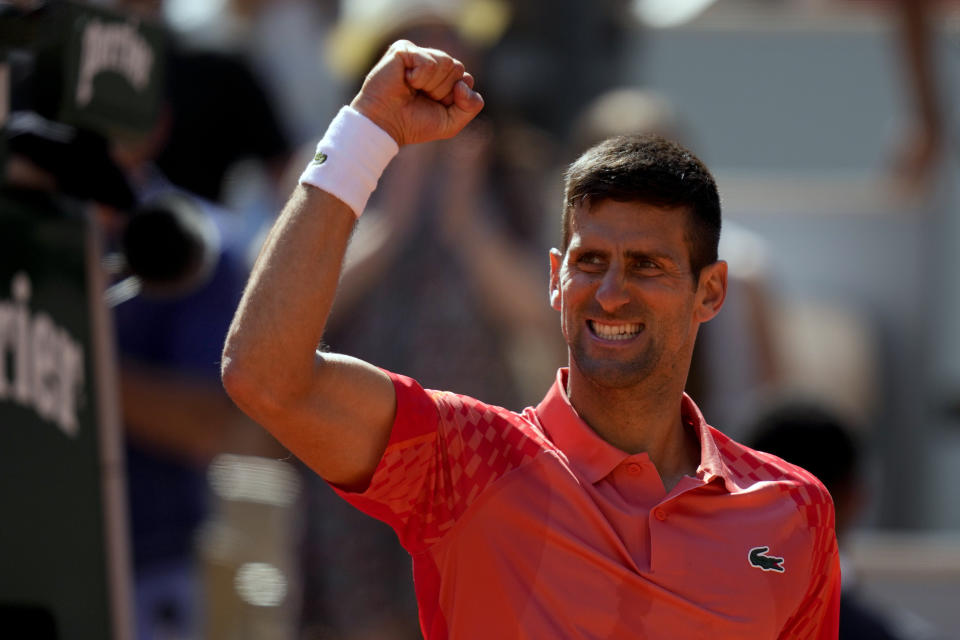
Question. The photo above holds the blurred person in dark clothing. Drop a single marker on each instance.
(176, 419)
(217, 114)
(176, 415)
(813, 437)
(555, 56)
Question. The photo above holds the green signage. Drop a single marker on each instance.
(59, 519)
(114, 72)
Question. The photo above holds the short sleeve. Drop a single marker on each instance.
(818, 616)
(444, 451)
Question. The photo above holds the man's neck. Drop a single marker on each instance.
(640, 420)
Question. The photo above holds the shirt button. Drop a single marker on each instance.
(634, 469)
(660, 514)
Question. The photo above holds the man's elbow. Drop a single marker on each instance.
(251, 394)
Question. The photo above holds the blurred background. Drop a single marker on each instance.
(148, 145)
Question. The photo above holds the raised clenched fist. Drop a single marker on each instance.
(417, 94)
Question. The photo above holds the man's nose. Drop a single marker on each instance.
(612, 292)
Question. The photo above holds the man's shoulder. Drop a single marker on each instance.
(463, 445)
(751, 467)
(473, 422)
(472, 417)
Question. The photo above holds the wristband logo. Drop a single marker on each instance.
(320, 158)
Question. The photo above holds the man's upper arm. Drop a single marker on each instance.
(339, 424)
(818, 616)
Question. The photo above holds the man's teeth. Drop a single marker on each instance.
(615, 331)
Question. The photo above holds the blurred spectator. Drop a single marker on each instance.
(177, 418)
(555, 56)
(175, 412)
(485, 187)
(809, 435)
(924, 136)
(217, 114)
(442, 216)
(285, 41)
(176, 415)
(925, 140)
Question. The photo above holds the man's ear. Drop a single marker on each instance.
(711, 290)
(556, 259)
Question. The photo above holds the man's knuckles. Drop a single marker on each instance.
(433, 74)
(443, 86)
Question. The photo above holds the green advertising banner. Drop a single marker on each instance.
(113, 71)
(62, 540)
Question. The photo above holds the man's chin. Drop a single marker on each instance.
(611, 375)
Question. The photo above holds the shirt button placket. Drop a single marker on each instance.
(655, 534)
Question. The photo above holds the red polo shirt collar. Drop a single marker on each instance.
(594, 458)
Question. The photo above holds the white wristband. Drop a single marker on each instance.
(350, 158)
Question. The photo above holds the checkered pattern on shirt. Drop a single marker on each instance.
(428, 481)
(815, 505)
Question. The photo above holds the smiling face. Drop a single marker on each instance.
(628, 301)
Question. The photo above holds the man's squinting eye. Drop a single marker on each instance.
(646, 265)
(590, 260)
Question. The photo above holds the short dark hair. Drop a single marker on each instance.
(653, 170)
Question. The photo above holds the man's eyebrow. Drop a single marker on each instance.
(640, 255)
(586, 250)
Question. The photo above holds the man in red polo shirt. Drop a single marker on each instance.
(610, 510)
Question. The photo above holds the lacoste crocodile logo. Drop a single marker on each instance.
(320, 158)
(760, 560)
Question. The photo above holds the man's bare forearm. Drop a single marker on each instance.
(281, 317)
